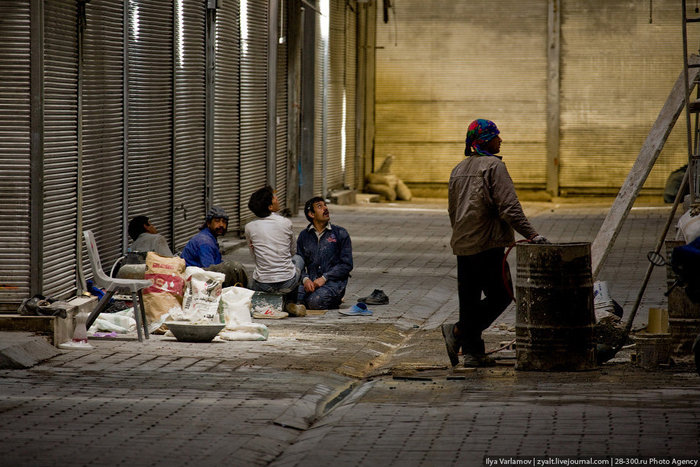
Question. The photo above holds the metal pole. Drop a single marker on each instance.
(273, 18)
(36, 150)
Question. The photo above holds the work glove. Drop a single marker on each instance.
(539, 239)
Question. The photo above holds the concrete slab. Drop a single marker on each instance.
(24, 350)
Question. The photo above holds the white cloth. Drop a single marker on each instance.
(271, 243)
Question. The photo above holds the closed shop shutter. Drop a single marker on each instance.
(319, 92)
(281, 141)
(226, 113)
(190, 103)
(150, 125)
(60, 148)
(14, 153)
(441, 65)
(349, 143)
(617, 71)
(336, 78)
(253, 101)
(103, 129)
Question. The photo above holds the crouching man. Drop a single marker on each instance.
(203, 250)
(327, 253)
(271, 241)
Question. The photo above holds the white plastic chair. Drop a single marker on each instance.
(112, 285)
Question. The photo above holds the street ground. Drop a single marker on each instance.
(338, 390)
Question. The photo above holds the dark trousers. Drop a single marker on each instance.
(479, 273)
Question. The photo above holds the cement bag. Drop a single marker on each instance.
(164, 297)
(689, 227)
(202, 296)
(121, 322)
(235, 309)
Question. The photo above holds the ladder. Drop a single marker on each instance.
(691, 108)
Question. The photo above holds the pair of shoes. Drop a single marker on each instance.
(478, 361)
(378, 297)
(270, 313)
(296, 309)
(358, 309)
(451, 343)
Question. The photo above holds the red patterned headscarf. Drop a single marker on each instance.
(480, 132)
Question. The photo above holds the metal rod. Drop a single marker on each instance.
(650, 268)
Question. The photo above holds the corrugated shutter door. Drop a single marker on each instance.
(226, 118)
(319, 66)
(350, 93)
(451, 64)
(281, 142)
(334, 119)
(253, 102)
(190, 104)
(103, 128)
(14, 153)
(60, 148)
(615, 77)
(150, 125)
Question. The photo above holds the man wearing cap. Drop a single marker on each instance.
(203, 250)
(327, 253)
(484, 209)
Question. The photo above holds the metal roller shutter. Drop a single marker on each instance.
(336, 78)
(253, 101)
(226, 113)
(14, 153)
(281, 146)
(150, 121)
(60, 148)
(320, 93)
(190, 104)
(615, 77)
(350, 86)
(103, 128)
(441, 65)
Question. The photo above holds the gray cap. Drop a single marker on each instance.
(218, 212)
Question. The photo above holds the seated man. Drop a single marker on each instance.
(203, 250)
(327, 253)
(146, 237)
(271, 242)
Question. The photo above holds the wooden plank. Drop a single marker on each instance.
(605, 239)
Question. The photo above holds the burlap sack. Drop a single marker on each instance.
(385, 190)
(403, 192)
(168, 276)
(383, 179)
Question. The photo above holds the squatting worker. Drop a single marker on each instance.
(327, 253)
(484, 209)
(203, 249)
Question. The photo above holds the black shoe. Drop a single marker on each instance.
(378, 297)
(451, 343)
(478, 361)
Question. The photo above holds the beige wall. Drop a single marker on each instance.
(443, 63)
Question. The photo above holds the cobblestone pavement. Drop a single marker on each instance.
(337, 390)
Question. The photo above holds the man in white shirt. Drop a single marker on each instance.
(271, 242)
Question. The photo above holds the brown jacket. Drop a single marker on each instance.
(483, 206)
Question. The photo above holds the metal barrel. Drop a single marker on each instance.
(683, 314)
(554, 316)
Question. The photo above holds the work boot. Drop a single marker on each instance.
(296, 309)
(451, 343)
(478, 361)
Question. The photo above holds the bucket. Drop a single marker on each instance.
(554, 315)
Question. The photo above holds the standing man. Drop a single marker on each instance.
(484, 209)
(203, 250)
(327, 253)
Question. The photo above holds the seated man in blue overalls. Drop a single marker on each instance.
(327, 253)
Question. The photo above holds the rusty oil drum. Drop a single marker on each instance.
(554, 316)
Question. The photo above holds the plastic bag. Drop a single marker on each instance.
(202, 296)
(235, 309)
